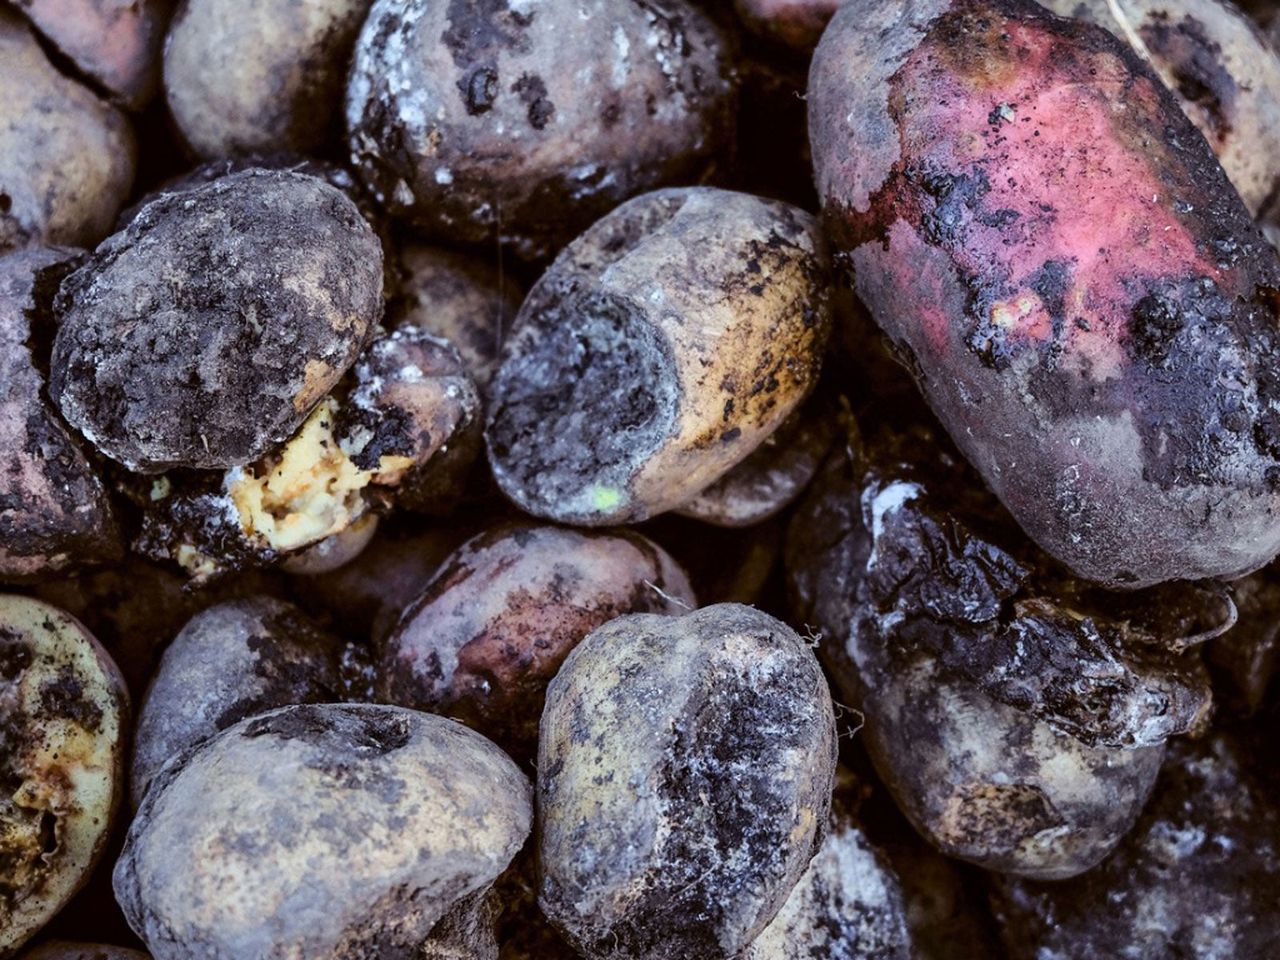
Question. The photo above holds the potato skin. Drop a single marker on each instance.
(63, 721)
(470, 120)
(54, 511)
(233, 660)
(347, 830)
(1091, 324)
(638, 373)
(279, 271)
(685, 770)
(66, 158)
(481, 643)
(1225, 75)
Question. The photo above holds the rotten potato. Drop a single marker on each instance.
(685, 769)
(346, 830)
(63, 723)
(55, 513)
(485, 638)
(1017, 715)
(233, 660)
(659, 350)
(278, 271)
(262, 77)
(66, 157)
(527, 122)
(1052, 245)
(1225, 75)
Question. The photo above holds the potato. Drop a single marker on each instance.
(66, 158)
(481, 643)
(407, 410)
(1196, 878)
(335, 552)
(260, 78)
(685, 769)
(1054, 248)
(1018, 718)
(345, 830)
(279, 272)
(65, 950)
(1225, 75)
(459, 298)
(116, 44)
(796, 23)
(233, 660)
(470, 121)
(54, 511)
(639, 373)
(63, 717)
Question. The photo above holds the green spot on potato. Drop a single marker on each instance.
(605, 498)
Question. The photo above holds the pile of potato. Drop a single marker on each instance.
(526, 480)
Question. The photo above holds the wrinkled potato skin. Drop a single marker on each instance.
(282, 273)
(65, 950)
(54, 511)
(1225, 75)
(63, 716)
(795, 23)
(117, 44)
(1114, 389)
(460, 298)
(685, 769)
(66, 158)
(468, 119)
(259, 77)
(718, 302)
(231, 661)
(486, 637)
(347, 831)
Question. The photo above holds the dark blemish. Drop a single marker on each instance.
(346, 730)
(757, 289)
(15, 655)
(64, 696)
(728, 409)
(730, 435)
(533, 94)
(479, 89)
(6, 203)
(1155, 322)
(1198, 71)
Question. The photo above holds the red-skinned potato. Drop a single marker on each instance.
(54, 511)
(485, 638)
(1225, 75)
(63, 723)
(1052, 244)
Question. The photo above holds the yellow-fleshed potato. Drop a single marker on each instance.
(63, 723)
(339, 831)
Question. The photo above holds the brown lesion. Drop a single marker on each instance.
(1192, 63)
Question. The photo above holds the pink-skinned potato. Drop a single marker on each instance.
(1080, 291)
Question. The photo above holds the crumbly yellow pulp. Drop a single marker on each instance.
(311, 490)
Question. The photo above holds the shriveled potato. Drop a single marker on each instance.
(279, 273)
(117, 44)
(481, 643)
(1198, 876)
(54, 511)
(659, 350)
(1017, 717)
(260, 77)
(685, 769)
(796, 23)
(233, 660)
(345, 830)
(1053, 246)
(407, 411)
(63, 717)
(1225, 75)
(66, 950)
(528, 122)
(66, 158)
(461, 298)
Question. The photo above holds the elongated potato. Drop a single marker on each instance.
(1052, 244)
(63, 723)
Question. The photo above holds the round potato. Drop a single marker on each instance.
(66, 158)
(685, 770)
(482, 642)
(345, 830)
(639, 372)
(281, 276)
(54, 511)
(63, 723)
(261, 77)
(233, 660)
(530, 121)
